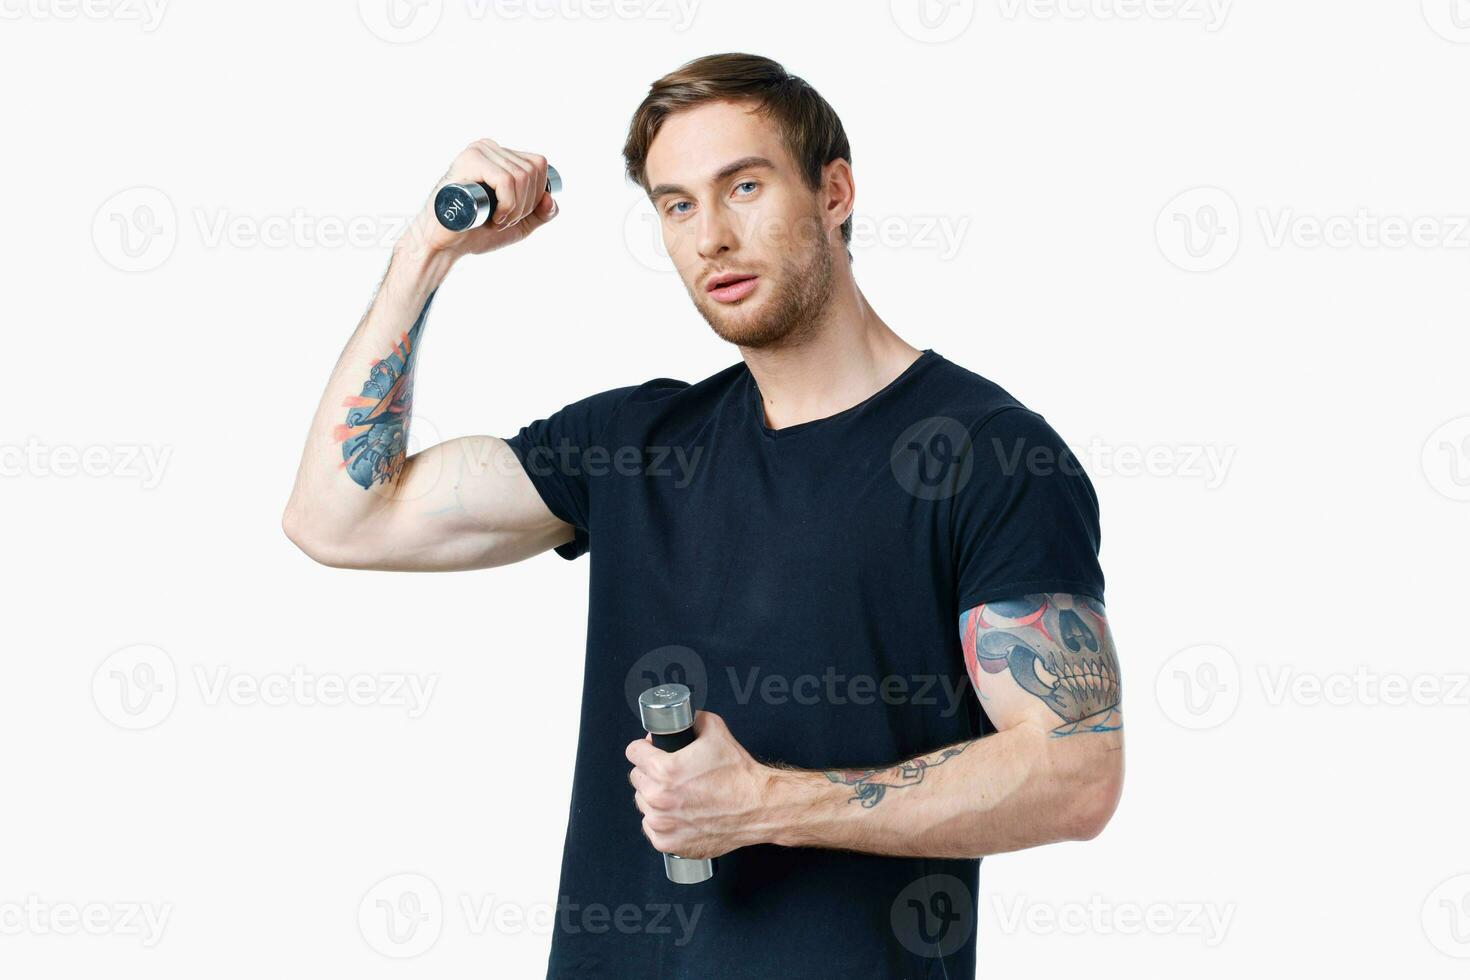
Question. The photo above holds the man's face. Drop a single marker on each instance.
(732, 204)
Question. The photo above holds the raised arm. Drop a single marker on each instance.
(1046, 672)
(360, 500)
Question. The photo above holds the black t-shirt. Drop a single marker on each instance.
(807, 584)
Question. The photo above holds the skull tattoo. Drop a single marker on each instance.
(1057, 648)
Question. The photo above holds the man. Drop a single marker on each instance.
(825, 541)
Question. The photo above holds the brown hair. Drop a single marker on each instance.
(809, 127)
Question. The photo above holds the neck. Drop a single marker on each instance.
(846, 357)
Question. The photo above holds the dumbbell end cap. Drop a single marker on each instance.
(666, 709)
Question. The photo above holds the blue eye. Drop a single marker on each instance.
(675, 205)
(747, 183)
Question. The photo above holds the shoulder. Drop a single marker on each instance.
(1007, 438)
(969, 398)
(657, 390)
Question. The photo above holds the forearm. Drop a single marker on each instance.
(356, 446)
(1015, 789)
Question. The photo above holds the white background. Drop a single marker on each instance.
(1107, 207)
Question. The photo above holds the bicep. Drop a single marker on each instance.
(1044, 659)
(467, 503)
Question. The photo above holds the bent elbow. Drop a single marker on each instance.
(313, 546)
(1097, 800)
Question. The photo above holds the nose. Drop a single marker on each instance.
(716, 234)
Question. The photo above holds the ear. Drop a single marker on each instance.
(838, 192)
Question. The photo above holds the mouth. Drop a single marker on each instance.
(731, 287)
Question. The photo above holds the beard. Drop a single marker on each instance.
(799, 296)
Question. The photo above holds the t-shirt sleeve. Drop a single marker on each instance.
(1026, 519)
(553, 453)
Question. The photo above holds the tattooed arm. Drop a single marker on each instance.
(1047, 674)
(1045, 670)
(360, 499)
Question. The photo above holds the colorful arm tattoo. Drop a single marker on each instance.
(870, 785)
(375, 436)
(1057, 647)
